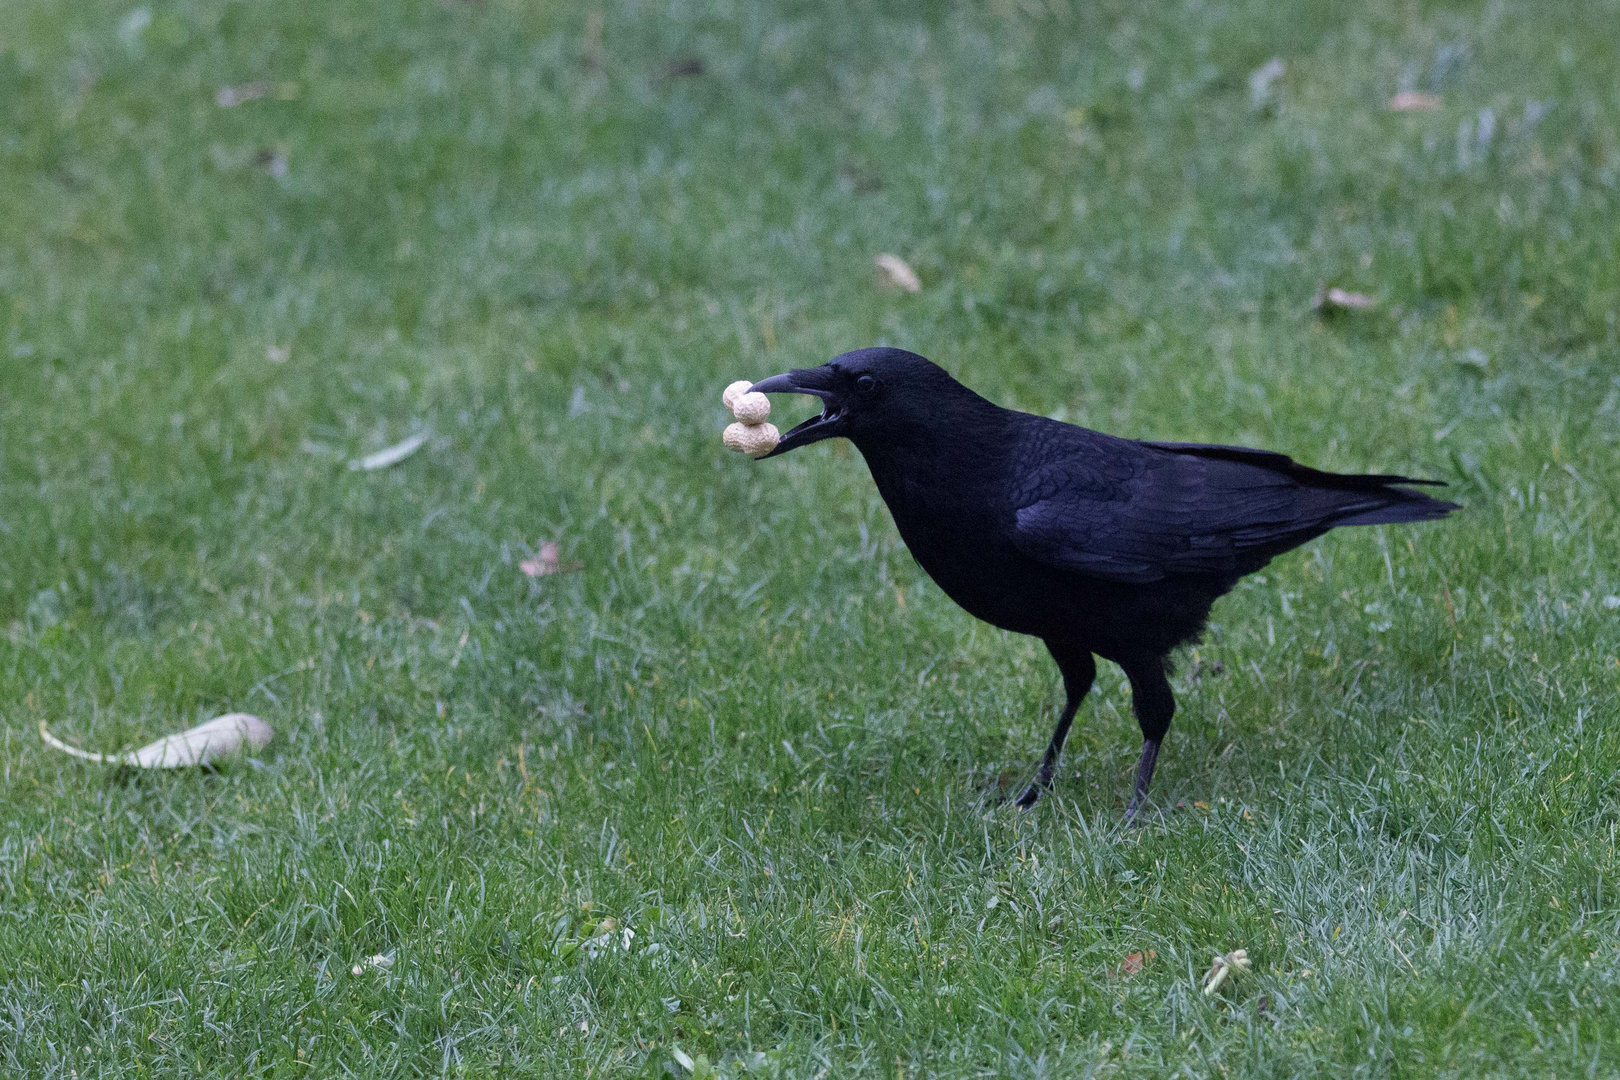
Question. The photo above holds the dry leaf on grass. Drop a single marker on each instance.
(227, 97)
(896, 272)
(1261, 78)
(595, 58)
(1225, 965)
(202, 745)
(392, 455)
(1133, 963)
(1413, 101)
(133, 25)
(271, 161)
(379, 962)
(1341, 299)
(548, 560)
(853, 181)
(231, 96)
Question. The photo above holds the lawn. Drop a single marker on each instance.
(727, 800)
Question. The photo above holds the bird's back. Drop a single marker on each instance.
(1051, 529)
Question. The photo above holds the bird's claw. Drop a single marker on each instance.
(1041, 783)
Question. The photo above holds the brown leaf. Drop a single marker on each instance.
(1133, 963)
(1413, 101)
(1340, 299)
(894, 271)
(548, 561)
(1004, 780)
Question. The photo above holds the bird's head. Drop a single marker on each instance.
(869, 395)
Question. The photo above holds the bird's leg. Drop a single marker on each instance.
(1144, 777)
(1043, 775)
(1078, 669)
(1154, 705)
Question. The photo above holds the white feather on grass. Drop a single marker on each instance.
(201, 745)
(391, 455)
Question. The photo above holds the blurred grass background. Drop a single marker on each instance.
(241, 244)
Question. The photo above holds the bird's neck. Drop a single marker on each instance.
(939, 463)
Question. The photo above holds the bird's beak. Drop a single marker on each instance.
(821, 382)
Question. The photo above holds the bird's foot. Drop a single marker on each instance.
(1041, 784)
(1131, 820)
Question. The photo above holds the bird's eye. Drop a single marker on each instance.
(865, 384)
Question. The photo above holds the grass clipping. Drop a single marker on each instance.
(202, 745)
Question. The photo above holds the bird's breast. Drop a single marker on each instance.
(967, 549)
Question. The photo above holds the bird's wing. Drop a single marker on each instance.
(1282, 463)
(1140, 512)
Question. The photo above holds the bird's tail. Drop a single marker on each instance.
(1403, 505)
(1321, 500)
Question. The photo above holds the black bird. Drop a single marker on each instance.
(1092, 543)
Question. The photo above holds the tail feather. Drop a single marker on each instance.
(1406, 506)
(1302, 474)
(1397, 502)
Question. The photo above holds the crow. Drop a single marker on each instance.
(1097, 545)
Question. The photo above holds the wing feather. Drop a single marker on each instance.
(1139, 512)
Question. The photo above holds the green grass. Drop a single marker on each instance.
(751, 731)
